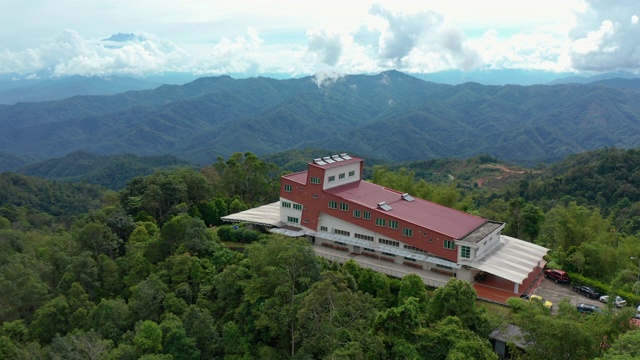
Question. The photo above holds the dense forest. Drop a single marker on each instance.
(146, 272)
(391, 115)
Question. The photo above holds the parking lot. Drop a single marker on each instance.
(556, 292)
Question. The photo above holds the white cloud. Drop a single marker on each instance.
(317, 37)
(325, 45)
(606, 35)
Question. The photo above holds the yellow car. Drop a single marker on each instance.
(547, 304)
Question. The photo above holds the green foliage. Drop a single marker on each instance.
(238, 233)
(457, 298)
(148, 337)
(109, 171)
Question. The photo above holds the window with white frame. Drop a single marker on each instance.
(449, 244)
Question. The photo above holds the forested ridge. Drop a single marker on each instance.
(391, 116)
(90, 273)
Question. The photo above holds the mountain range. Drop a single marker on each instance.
(390, 116)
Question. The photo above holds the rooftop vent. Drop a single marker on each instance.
(384, 206)
(407, 197)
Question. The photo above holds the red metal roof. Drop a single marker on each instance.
(299, 177)
(421, 212)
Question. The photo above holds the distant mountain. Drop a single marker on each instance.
(28, 90)
(110, 171)
(619, 83)
(576, 79)
(493, 77)
(389, 116)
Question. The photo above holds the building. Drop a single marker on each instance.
(331, 205)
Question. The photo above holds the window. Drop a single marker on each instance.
(366, 215)
(333, 204)
(292, 219)
(315, 196)
(324, 228)
(380, 222)
(342, 232)
(388, 254)
(297, 206)
(341, 176)
(344, 206)
(352, 173)
(389, 242)
(413, 248)
(315, 180)
(363, 237)
(332, 178)
(288, 188)
(367, 249)
(286, 205)
(356, 213)
(449, 244)
(408, 232)
(393, 224)
(465, 252)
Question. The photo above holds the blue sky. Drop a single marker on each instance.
(327, 38)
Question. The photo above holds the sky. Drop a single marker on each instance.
(324, 38)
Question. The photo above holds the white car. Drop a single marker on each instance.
(619, 302)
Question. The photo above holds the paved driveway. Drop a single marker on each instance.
(555, 292)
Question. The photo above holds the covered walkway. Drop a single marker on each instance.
(396, 270)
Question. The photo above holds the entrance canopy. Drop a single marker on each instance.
(512, 259)
(267, 215)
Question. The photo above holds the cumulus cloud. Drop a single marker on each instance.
(606, 35)
(71, 54)
(403, 32)
(325, 45)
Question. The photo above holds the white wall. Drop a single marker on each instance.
(336, 171)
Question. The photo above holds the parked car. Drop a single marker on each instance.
(557, 275)
(548, 304)
(587, 291)
(618, 301)
(587, 308)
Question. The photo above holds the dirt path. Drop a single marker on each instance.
(505, 170)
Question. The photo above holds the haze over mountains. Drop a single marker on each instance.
(390, 116)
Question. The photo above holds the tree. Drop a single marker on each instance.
(246, 176)
(51, 319)
(175, 339)
(22, 288)
(450, 339)
(412, 286)
(282, 268)
(333, 318)
(98, 239)
(627, 346)
(111, 318)
(458, 298)
(147, 297)
(148, 338)
(80, 346)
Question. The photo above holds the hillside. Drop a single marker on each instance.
(389, 116)
(110, 171)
